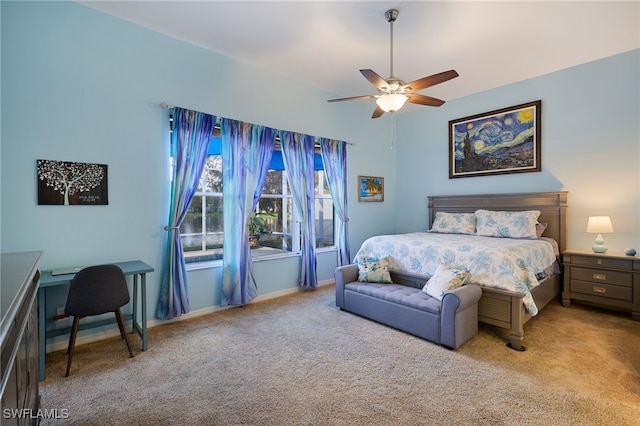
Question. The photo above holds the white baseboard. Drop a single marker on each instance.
(94, 337)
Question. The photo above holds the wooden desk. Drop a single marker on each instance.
(135, 268)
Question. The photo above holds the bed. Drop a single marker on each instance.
(502, 306)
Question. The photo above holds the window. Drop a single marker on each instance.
(202, 230)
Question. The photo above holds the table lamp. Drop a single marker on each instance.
(599, 225)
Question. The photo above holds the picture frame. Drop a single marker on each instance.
(503, 141)
(371, 189)
(67, 183)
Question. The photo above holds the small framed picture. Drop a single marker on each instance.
(370, 189)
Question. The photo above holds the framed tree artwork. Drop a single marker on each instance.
(496, 142)
(69, 183)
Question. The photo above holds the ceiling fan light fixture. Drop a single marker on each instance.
(393, 92)
(391, 102)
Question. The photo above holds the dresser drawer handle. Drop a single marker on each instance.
(599, 290)
(601, 277)
(599, 261)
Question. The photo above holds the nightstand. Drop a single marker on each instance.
(604, 280)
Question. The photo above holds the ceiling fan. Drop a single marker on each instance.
(393, 92)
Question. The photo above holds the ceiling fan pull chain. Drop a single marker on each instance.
(393, 131)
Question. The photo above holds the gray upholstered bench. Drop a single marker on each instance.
(449, 322)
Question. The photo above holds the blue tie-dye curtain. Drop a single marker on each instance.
(189, 144)
(246, 154)
(334, 158)
(297, 152)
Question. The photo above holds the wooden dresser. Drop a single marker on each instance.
(19, 283)
(610, 280)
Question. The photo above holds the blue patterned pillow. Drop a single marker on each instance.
(373, 270)
(445, 279)
(507, 224)
(454, 223)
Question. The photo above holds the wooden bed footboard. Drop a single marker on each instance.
(506, 309)
(499, 307)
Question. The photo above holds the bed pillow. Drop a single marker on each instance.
(540, 228)
(505, 224)
(373, 270)
(454, 223)
(445, 279)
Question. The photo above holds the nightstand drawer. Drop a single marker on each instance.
(600, 276)
(600, 262)
(603, 290)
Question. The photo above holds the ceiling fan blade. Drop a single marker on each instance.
(375, 79)
(415, 98)
(352, 98)
(377, 112)
(432, 80)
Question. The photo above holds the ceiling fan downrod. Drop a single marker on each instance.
(391, 15)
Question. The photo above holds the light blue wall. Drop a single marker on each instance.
(79, 85)
(590, 147)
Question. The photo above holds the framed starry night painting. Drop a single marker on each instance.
(496, 142)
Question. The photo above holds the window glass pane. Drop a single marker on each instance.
(274, 182)
(211, 177)
(324, 222)
(191, 228)
(271, 210)
(319, 183)
(214, 228)
(214, 213)
(276, 213)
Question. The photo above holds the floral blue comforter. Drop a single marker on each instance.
(505, 263)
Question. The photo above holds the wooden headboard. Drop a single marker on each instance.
(552, 206)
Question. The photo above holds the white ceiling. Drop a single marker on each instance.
(325, 43)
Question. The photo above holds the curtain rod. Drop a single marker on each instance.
(165, 105)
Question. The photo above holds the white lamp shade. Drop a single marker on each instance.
(599, 225)
(391, 102)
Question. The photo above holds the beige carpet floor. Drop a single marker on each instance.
(298, 360)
